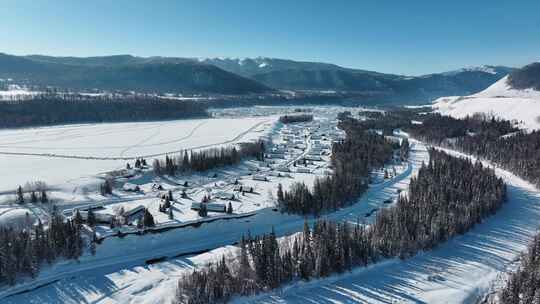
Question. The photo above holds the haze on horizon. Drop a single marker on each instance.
(394, 37)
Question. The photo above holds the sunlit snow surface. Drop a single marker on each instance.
(499, 100)
(75, 153)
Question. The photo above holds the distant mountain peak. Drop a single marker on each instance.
(488, 69)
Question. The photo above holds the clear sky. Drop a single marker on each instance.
(401, 36)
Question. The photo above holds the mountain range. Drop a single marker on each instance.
(297, 75)
(239, 76)
(127, 73)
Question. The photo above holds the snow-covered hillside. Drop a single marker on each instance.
(500, 100)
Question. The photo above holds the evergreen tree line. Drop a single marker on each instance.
(449, 196)
(23, 252)
(390, 120)
(353, 159)
(439, 129)
(295, 118)
(74, 108)
(523, 286)
(36, 196)
(208, 159)
(518, 152)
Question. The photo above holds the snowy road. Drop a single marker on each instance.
(115, 274)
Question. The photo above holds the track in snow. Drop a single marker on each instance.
(54, 155)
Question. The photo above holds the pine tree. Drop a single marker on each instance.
(156, 165)
(203, 211)
(91, 218)
(93, 243)
(77, 219)
(148, 219)
(106, 188)
(33, 197)
(280, 193)
(20, 195)
(43, 198)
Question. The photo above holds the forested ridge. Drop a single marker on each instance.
(353, 159)
(449, 196)
(53, 109)
(439, 129)
(493, 139)
(518, 153)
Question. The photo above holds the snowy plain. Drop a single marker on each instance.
(72, 155)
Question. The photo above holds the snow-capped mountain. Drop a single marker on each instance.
(489, 69)
(515, 97)
(302, 75)
(241, 76)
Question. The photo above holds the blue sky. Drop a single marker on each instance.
(406, 37)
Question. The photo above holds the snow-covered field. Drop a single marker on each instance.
(72, 155)
(499, 100)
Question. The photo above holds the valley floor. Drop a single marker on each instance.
(461, 270)
(113, 276)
